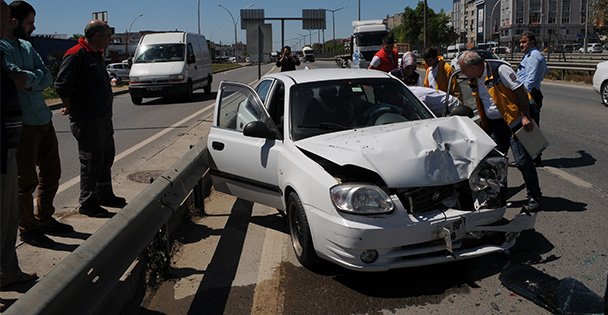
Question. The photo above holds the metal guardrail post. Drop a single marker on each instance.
(82, 281)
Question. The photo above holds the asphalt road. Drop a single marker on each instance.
(140, 131)
(238, 258)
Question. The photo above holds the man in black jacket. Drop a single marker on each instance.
(287, 62)
(84, 87)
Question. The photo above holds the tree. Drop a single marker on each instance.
(411, 29)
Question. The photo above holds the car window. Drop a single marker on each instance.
(263, 88)
(330, 106)
(238, 106)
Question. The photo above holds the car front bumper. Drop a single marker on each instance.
(157, 90)
(406, 240)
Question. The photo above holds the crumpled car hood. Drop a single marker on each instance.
(427, 152)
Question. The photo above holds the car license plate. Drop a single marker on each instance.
(154, 89)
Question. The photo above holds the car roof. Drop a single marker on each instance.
(315, 75)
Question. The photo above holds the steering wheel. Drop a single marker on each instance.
(375, 112)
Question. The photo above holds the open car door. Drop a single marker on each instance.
(244, 166)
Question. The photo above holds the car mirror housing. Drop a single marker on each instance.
(462, 111)
(258, 129)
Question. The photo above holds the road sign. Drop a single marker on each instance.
(101, 15)
(313, 19)
(251, 17)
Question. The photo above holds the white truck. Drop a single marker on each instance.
(309, 53)
(365, 42)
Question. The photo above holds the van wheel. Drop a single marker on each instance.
(207, 88)
(301, 239)
(136, 100)
(189, 91)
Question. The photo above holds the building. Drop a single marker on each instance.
(504, 21)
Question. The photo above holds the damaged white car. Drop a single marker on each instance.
(369, 178)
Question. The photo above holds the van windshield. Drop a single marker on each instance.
(160, 53)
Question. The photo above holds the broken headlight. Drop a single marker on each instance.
(360, 199)
(487, 180)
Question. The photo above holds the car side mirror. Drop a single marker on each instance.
(462, 111)
(130, 61)
(258, 129)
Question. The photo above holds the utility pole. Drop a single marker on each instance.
(424, 27)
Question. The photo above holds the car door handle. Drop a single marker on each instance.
(217, 145)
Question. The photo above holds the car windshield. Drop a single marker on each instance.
(329, 106)
(159, 53)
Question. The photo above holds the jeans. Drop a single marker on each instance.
(503, 136)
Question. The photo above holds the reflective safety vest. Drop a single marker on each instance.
(503, 97)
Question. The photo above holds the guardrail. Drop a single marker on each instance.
(82, 281)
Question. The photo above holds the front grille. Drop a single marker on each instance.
(421, 199)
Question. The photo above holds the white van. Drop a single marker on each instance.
(170, 63)
(454, 50)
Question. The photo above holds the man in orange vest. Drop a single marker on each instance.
(438, 73)
(387, 58)
(503, 106)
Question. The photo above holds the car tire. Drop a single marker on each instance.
(301, 238)
(207, 88)
(136, 100)
(604, 93)
(189, 92)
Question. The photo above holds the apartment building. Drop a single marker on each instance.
(479, 21)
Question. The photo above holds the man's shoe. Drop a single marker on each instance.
(36, 238)
(94, 211)
(113, 201)
(20, 277)
(52, 226)
(534, 204)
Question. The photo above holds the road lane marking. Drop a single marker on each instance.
(67, 185)
(138, 146)
(568, 177)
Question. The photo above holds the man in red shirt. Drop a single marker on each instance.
(387, 58)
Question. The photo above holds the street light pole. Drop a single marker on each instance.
(128, 36)
(199, 17)
(492, 21)
(233, 22)
(585, 41)
(333, 21)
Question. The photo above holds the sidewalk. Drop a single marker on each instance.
(128, 183)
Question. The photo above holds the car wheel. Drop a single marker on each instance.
(604, 92)
(301, 239)
(136, 100)
(207, 88)
(189, 91)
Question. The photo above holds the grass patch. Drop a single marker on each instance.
(219, 67)
(49, 93)
(571, 75)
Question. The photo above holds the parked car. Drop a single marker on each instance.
(368, 177)
(485, 54)
(600, 81)
(119, 70)
(500, 50)
(592, 48)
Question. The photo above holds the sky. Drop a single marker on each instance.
(70, 16)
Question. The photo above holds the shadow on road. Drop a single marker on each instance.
(585, 159)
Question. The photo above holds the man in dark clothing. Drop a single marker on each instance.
(287, 62)
(84, 87)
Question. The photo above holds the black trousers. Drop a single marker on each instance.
(96, 153)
